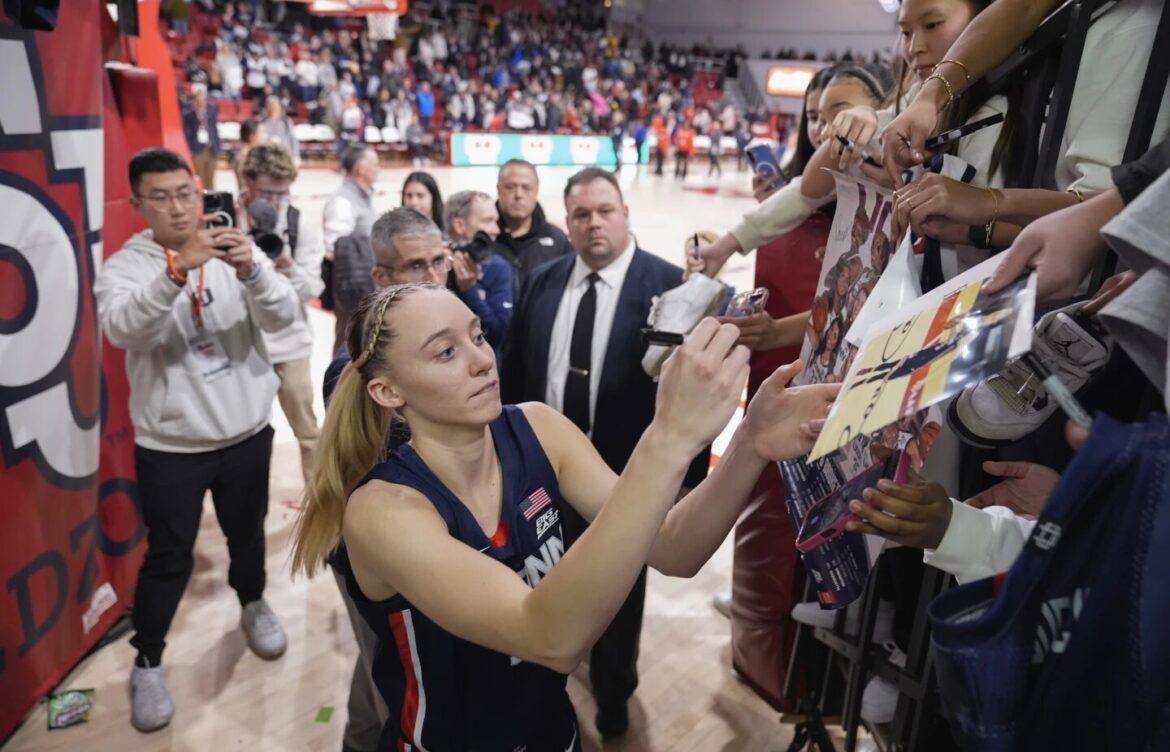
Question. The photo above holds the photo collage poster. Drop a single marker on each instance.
(946, 341)
(859, 249)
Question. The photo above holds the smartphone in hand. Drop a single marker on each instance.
(826, 519)
(219, 209)
(763, 160)
(747, 303)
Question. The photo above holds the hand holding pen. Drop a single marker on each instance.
(852, 130)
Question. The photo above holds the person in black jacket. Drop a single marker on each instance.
(576, 345)
(527, 240)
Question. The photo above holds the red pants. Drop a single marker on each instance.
(767, 577)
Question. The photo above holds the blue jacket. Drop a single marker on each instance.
(426, 104)
(191, 129)
(491, 300)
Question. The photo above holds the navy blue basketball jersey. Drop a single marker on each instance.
(446, 694)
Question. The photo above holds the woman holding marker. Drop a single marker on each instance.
(433, 538)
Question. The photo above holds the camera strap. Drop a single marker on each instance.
(294, 222)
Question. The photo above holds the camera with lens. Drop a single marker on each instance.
(478, 247)
(264, 219)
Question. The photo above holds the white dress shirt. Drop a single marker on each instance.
(609, 288)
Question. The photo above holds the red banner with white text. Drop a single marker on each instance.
(71, 537)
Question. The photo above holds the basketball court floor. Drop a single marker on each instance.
(228, 699)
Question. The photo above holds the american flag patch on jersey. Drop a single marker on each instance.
(536, 501)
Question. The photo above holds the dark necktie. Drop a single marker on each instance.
(580, 355)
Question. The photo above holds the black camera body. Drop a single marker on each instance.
(479, 247)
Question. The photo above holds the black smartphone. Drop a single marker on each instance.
(219, 209)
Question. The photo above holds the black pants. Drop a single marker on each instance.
(170, 489)
(680, 165)
(659, 158)
(613, 662)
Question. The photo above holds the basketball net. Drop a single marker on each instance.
(383, 26)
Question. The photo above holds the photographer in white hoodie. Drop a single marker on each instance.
(187, 303)
(266, 207)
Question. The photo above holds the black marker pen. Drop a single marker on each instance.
(865, 155)
(666, 339)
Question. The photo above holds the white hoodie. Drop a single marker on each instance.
(193, 390)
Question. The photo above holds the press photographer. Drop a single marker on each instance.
(294, 245)
(482, 278)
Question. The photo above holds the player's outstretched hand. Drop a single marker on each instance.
(784, 421)
(701, 386)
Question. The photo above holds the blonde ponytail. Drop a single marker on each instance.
(354, 436)
(352, 441)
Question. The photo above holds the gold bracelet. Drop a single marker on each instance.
(1077, 192)
(941, 63)
(995, 198)
(947, 85)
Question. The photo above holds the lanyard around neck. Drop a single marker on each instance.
(196, 297)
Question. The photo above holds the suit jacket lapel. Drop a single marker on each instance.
(544, 314)
(628, 320)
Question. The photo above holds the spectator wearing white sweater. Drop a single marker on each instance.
(189, 305)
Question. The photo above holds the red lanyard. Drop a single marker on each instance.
(196, 297)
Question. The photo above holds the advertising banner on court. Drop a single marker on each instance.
(70, 532)
(494, 149)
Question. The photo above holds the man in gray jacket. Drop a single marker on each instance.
(348, 217)
(188, 304)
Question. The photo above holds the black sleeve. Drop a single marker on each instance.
(512, 358)
(564, 245)
(332, 374)
(1134, 177)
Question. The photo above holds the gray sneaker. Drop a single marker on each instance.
(1013, 403)
(262, 630)
(151, 707)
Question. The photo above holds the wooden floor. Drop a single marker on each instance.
(227, 699)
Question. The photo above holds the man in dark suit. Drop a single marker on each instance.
(576, 345)
(199, 126)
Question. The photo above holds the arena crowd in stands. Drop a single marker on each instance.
(457, 67)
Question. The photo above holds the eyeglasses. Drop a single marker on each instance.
(276, 198)
(162, 201)
(416, 271)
